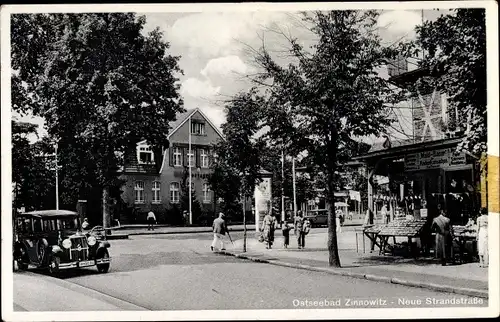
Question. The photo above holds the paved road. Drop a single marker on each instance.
(179, 272)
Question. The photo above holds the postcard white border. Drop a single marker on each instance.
(493, 149)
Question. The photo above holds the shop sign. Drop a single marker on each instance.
(434, 159)
(354, 195)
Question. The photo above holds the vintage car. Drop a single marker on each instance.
(53, 239)
(317, 217)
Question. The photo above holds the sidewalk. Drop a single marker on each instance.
(467, 279)
(52, 294)
(131, 230)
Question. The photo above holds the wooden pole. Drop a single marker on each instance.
(190, 182)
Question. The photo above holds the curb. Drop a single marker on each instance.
(178, 232)
(371, 277)
(122, 304)
(117, 236)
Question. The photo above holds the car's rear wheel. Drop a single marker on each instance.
(103, 268)
(21, 259)
(54, 264)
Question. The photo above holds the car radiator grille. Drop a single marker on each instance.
(79, 249)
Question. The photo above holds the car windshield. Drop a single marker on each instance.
(67, 223)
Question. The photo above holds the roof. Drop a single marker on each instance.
(184, 117)
(400, 150)
(50, 213)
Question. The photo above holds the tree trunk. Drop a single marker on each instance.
(105, 208)
(333, 251)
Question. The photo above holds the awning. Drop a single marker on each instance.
(399, 151)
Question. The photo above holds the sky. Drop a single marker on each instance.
(214, 48)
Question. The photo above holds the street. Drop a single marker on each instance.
(179, 272)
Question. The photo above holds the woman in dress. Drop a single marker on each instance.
(482, 238)
(268, 230)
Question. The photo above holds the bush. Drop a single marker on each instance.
(174, 216)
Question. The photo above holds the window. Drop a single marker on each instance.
(174, 192)
(206, 193)
(144, 154)
(37, 225)
(198, 128)
(204, 158)
(190, 158)
(156, 192)
(177, 157)
(67, 223)
(139, 192)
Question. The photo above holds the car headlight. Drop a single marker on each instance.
(66, 243)
(91, 240)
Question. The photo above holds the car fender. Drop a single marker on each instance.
(56, 249)
(104, 244)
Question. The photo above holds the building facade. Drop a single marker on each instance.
(156, 182)
(424, 169)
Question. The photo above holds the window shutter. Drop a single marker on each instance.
(198, 157)
(185, 152)
(171, 156)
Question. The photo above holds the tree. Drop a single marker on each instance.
(327, 97)
(455, 52)
(33, 169)
(100, 84)
(224, 181)
(240, 152)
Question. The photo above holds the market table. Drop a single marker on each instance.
(400, 228)
(371, 231)
(462, 235)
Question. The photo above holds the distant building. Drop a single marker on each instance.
(155, 182)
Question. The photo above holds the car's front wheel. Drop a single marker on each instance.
(103, 268)
(54, 264)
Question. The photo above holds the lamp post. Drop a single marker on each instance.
(57, 178)
(190, 181)
(282, 184)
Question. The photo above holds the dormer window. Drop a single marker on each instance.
(145, 154)
(197, 128)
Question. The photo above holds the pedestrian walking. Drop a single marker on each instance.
(482, 238)
(268, 226)
(151, 219)
(444, 240)
(306, 228)
(338, 215)
(219, 228)
(185, 217)
(385, 214)
(298, 223)
(285, 228)
(274, 226)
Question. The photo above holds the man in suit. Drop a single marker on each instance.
(444, 240)
(219, 228)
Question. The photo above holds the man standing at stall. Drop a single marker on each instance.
(441, 225)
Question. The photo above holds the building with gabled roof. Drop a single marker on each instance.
(155, 183)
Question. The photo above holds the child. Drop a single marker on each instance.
(286, 233)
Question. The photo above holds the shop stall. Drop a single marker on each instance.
(420, 179)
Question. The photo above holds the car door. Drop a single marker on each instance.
(36, 243)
